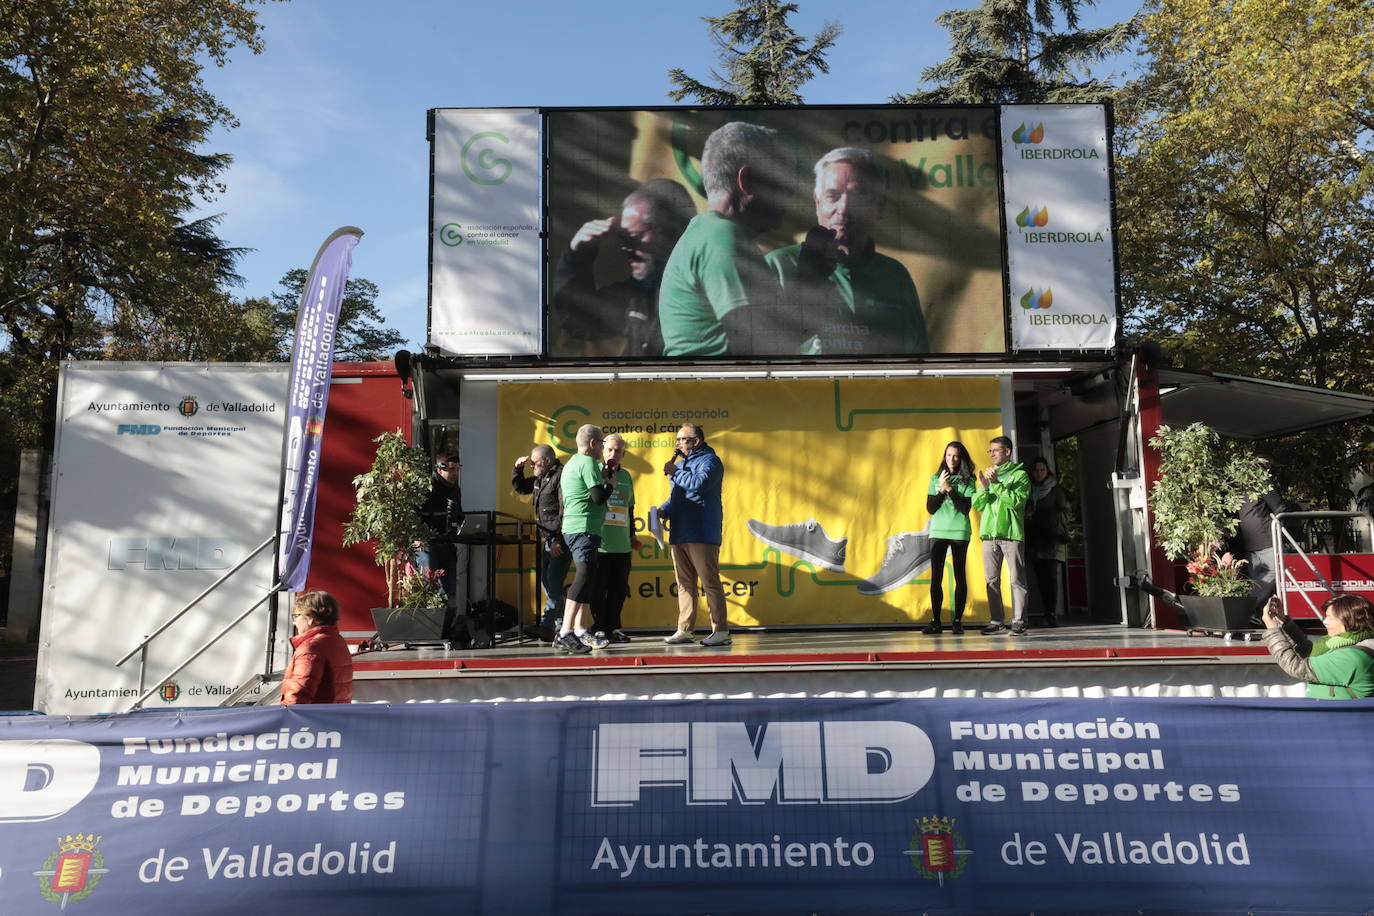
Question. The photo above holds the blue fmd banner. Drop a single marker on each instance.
(805, 806)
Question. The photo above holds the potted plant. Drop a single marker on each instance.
(1200, 488)
(387, 516)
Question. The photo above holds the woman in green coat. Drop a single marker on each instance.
(948, 500)
(1339, 665)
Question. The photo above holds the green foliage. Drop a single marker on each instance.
(765, 61)
(422, 590)
(1246, 203)
(361, 336)
(1010, 51)
(387, 511)
(102, 116)
(1201, 486)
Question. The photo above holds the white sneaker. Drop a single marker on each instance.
(717, 638)
(681, 636)
(595, 640)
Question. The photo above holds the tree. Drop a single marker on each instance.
(765, 61)
(1246, 204)
(1010, 51)
(360, 337)
(102, 116)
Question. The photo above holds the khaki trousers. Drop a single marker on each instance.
(690, 563)
(995, 550)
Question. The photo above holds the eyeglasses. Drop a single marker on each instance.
(447, 467)
(686, 438)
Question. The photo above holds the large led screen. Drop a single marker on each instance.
(773, 234)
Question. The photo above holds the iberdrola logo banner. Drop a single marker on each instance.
(825, 486)
(1060, 261)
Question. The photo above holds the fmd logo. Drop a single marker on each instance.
(174, 553)
(41, 780)
(138, 429)
(715, 763)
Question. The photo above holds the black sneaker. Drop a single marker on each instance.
(1051, 621)
(933, 628)
(994, 628)
(956, 628)
(1018, 628)
(618, 636)
(568, 642)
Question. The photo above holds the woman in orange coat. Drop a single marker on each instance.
(321, 669)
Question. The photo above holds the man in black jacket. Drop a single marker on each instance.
(548, 513)
(1254, 538)
(442, 511)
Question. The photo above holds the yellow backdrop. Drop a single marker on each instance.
(855, 455)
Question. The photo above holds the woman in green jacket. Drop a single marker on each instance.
(1339, 665)
(948, 500)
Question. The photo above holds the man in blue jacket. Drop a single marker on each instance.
(693, 511)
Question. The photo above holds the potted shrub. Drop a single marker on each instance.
(387, 516)
(1200, 488)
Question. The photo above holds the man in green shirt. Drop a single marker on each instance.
(718, 297)
(586, 485)
(843, 295)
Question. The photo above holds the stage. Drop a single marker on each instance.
(1077, 660)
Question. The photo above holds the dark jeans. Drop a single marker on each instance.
(1047, 576)
(958, 553)
(554, 576)
(610, 588)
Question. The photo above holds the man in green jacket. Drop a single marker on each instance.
(1001, 503)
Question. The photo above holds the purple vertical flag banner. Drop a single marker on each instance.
(307, 397)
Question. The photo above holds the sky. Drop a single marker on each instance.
(332, 113)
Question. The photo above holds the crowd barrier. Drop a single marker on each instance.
(802, 806)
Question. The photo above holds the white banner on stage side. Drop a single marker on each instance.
(485, 249)
(1060, 265)
(165, 477)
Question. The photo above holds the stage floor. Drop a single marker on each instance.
(1072, 660)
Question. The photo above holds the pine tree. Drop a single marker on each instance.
(1010, 51)
(764, 59)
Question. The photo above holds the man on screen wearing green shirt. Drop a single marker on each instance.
(845, 296)
(718, 297)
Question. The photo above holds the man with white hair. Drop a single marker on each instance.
(618, 541)
(844, 296)
(718, 297)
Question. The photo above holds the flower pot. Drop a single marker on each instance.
(409, 624)
(1219, 613)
